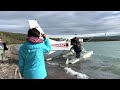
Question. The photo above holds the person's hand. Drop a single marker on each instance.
(44, 36)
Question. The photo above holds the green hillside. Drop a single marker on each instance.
(12, 38)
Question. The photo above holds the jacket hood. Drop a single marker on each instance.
(34, 40)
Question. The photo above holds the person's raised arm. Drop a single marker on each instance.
(47, 47)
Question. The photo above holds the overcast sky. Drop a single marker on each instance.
(62, 22)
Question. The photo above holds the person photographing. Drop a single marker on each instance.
(31, 55)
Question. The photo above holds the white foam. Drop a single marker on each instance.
(72, 72)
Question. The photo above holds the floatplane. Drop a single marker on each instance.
(63, 44)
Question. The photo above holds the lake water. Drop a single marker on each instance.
(104, 63)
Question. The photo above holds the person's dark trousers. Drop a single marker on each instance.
(77, 54)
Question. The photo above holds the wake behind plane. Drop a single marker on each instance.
(61, 45)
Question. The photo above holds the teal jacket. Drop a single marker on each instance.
(31, 59)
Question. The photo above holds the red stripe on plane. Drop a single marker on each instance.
(60, 45)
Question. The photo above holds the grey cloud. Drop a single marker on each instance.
(61, 22)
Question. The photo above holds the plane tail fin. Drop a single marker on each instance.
(34, 24)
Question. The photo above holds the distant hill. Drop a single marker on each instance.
(105, 38)
(13, 38)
